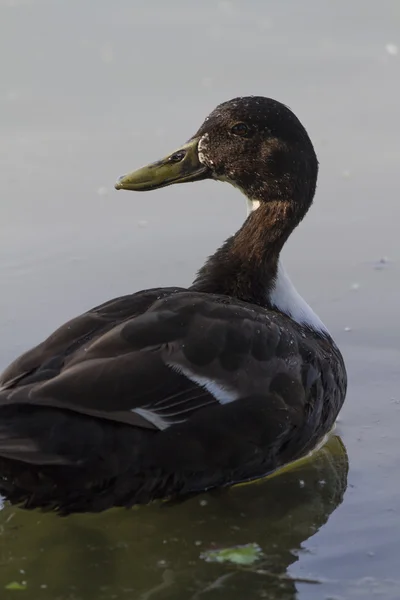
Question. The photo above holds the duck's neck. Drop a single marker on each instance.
(246, 265)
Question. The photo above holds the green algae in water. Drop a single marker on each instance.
(15, 586)
(238, 555)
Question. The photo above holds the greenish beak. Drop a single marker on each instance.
(180, 166)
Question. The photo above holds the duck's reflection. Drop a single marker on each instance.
(153, 552)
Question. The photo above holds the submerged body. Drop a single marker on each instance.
(172, 391)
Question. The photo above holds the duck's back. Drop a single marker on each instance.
(162, 393)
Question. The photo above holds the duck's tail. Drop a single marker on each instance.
(57, 460)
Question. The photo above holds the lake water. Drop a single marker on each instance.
(89, 90)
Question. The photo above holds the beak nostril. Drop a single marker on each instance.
(177, 156)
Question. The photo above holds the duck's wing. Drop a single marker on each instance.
(157, 359)
(50, 357)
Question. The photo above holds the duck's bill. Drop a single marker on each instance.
(179, 167)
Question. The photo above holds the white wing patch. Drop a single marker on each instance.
(220, 393)
(163, 417)
(152, 417)
(286, 298)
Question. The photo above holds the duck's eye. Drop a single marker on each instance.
(240, 129)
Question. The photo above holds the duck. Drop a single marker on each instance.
(171, 392)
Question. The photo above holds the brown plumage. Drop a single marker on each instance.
(171, 391)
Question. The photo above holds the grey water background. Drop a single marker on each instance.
(90, 89)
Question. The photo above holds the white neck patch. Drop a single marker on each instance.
(286, 299)
(252, 205)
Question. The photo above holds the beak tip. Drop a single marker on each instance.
(119, 183)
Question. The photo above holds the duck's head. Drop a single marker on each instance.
(255, 143)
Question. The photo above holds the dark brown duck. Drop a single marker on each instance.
(171, 391)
